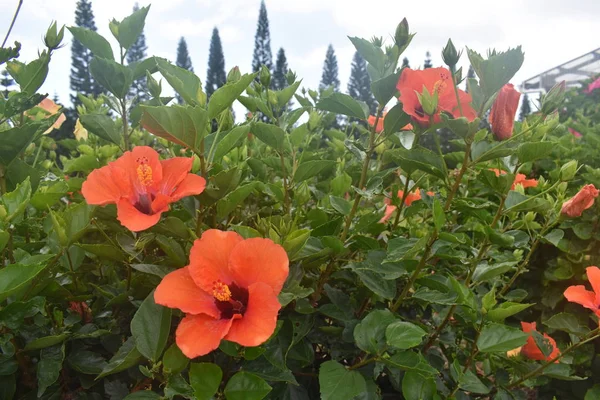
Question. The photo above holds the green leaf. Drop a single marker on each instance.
(385, 88)
(86, 362)
(395, 119)
(404, 335)
(246, 386)
(13, 315)
(228, 203)
(593, 393)
(185, 126)
(531, 151)
(419, 158)
(285, 95)
(150, 328)
(224, 96)
(369, 334)
(114, 77)
(340, 205)
(230, 140)
(497, 70)
(30, 77)
(555, 236)
(485, 271)
(16, 201)
(46, 341)
(15, 140)
(132, 27)
(185, 83)
(495, 338)
(417, 387)
(340, 103)
(49, 367)
(126, 357)
(515, 201)
(439, 217)
(411, 361)
(84, 163)
(143, 395)
(505, 310)
(485, 151)
(15, 276)
(95, 42)
(469, 382)
(336, 382)
(139, 69)
(567, 323)
(373, 54)
(308, 169)
(174, 361)
(157, 270)
(7, 53)
(102, 126)
(271, 135)
(107, 251)
(205, 378)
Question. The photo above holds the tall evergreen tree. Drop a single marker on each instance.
(215, 76)
(281, 69)
(525, 108)
(262, 42)
(183, 61)
(7, 82)
(359, 85)
(137, 53)
(330, 71)
(81, 79)
(405, 63)
(470, 74)
(427, 63)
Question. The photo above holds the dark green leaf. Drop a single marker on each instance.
(395, 119)
(246, 386)
(567, 323)
(373, 54)
(46, 341)
(49, 367)
(102, 126)
(419, 159)
(312, 168)
(185, 126)
(369, 334)
(15, 140)
(230, 140)
(224, 96)
(95, 42)
(505, 310)
(385, 88)
(469, 382)
(485, 271)
(174, 361)
(205, 378)
(131, 27)
(150, 328)
(228, 203)
(114, 77)
(30, 77)
(338, 383)
(340, 103)
(496, 338)
(269, 134)
(532, 151)
(15, 276)
(417, 387)
(404, 335)
(183, 81)
(127, 356)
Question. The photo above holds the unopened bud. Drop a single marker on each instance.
(290, 77)
(554, 98)
(450, 55)
(265, 76)
(568, 170)
(428, 101)
(154, 87)
(54, 37)
(234, 75)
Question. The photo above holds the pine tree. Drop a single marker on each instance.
(7, 81)
(427, 63)
(215, 76)
(470, 75)
(262, 42)
(525, 108)
(183, 61)
(136, 53)
(359, 85)
(405, 63)
(281, 69)
(330, 71)
(81, 79)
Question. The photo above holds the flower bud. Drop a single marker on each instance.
(402, 36)
(265, 76)
(554, 98)
(504, 109)
(54, 37)
(568, 170)
(3, 212)
(551, 121)
(450, 55)
(291, 77)
(234, 75)
(428, 101)
(29, 150)
(583, 200)
(85, 149)
(46, 164)
(154, 87)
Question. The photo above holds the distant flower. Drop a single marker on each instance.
(575, 133)
(531, 349)
(228, 291)
(379, 129)
(520, 179)
(80, 132)
(504, 109)
(583, 200)
(410, 198)
(593, 86)
(435, 80)
(46, 109)
(81, 308)
(580, 295)
(142, 186)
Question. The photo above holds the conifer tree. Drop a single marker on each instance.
(427, 63)
(470, 74)
(262, 42)
(525, 108)
(183, 61)
(281, 69)
(329, 78)
(81, 80)
(405, 63)
(215, 76)
(359, 85)
(7, 82)
(137, 53)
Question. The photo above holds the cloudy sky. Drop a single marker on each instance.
(550, 31)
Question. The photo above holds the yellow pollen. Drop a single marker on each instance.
(144, 172)
(439, 85)
(221, 291)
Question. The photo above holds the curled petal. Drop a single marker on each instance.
(198, 335)
(134, 220)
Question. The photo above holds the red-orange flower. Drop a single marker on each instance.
(379, 128)
(228, 291)
(142, 186)
(504, 109)
(520, 179)
(45, 109)
(410, 198)
(81, 308)
(531, 349)
(589, 299)
(583, 200)
(434, 80)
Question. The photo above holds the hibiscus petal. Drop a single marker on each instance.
(190, 185)
(259, 260)
(259, 321)
(134, 220)
(178, 290)
(200, 334)
(578, 294)
(389, 210)
(209, 258)
(528, 326)
(174, 170)
(161, 203)
(593, 274)
(100, 188)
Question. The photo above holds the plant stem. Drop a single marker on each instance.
(323, 279)
(363, 363)
(72, 269)
(13, 22)
(463, 169)
(286, 194)
(456, 92)
(401, 205)
(125, 126)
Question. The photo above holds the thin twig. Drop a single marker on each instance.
(13, 22)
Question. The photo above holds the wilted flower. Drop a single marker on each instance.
(583, 200)
(531, 349)
(504, 109)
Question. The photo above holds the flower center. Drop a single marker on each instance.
(221, 291)
(144, 171)
(439, 85)
(230, 299)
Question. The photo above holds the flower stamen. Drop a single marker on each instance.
(221, 291)
(144, 171)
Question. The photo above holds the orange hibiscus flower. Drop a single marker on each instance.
(520, 179)
(531, 349)
(229, 291)
(504, 109)
(589, 299)
(142, 186)
(45, 109)
(583, 200)
(410, 198)
(434, 80)
(379, 128)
